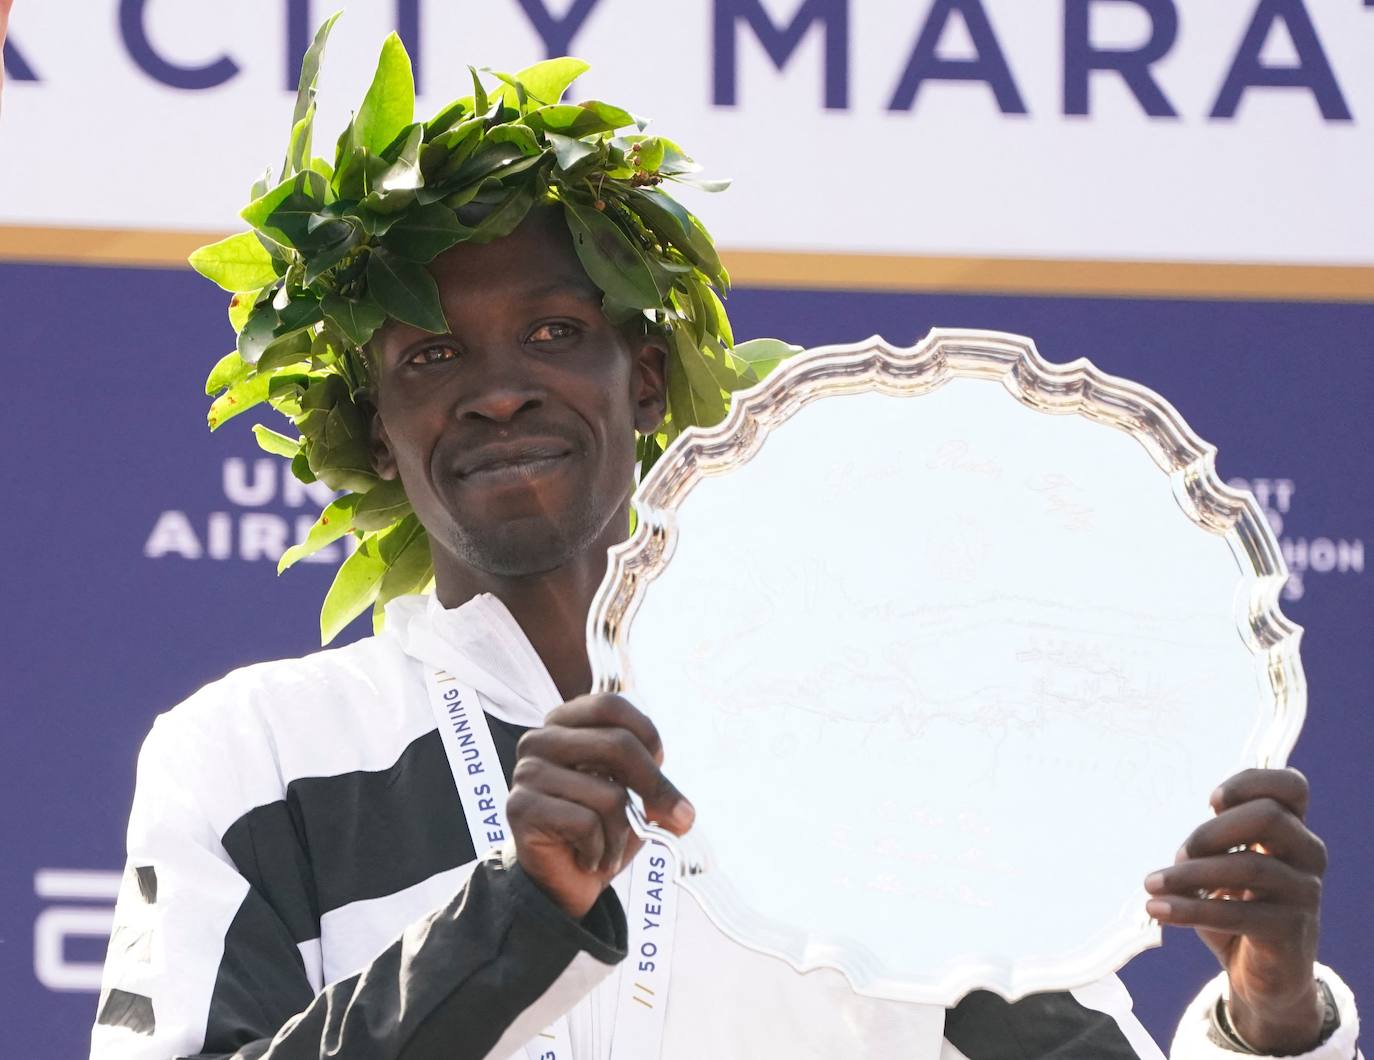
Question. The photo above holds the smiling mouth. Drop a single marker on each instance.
(512, 463)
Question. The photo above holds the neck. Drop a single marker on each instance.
(551, 606)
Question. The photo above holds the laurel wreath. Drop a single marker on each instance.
(335, 250)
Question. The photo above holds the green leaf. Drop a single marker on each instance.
(442, 157)
(350, 168)
(269, 441)
(381, 506)
(447, 118)
(326, 257)
(305, 93)
(711, 378)
(258, 332)
(261, 185)
(480, 103)
(486, 161)
(356, 319)
(568, 151)
(359, 579)
(298, 147)
(335, 521)
(241, 306)
(239, 263)
(722, 327)
(687, 407)
(763, 355)
(403, 173)
(405, 291)
(291, 348)
(701, 183)
(511, 94)
(548, 80)
(300, 467)
(522, 136)
(425, 232)
(411, 569)
(504, 220)
(228, 370)
(301, 310)
(673, 223)
(284, 213)
(611, 116)
(650, 154)
(614, 263)
(355, 587)
(389, 105)
(239, 398)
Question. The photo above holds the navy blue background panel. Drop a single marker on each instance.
(140, 560)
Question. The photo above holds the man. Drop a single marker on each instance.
(301, 881)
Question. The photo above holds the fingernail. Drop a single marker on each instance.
(1158, 908)
(1216, 797)
(1154, 882)
(1181, 856)
(682, 815)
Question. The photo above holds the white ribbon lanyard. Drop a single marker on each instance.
(642, 997)
(482, 790)
(651, 912)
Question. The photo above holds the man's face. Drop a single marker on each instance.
(514, 434)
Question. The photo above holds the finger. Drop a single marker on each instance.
(620, 755)
(1262, 822)
(603, 797)
(1263, 922)
(1266, 878)
(1286, 786)
(571, 824)
(609, 711)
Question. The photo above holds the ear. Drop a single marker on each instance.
(383, 459)
(650, 382)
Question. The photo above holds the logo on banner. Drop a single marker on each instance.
(1307, 557)
(266, 510)
(81, 907)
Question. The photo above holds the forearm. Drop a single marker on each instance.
(476, 978)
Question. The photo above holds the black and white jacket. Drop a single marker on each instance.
(301, 884)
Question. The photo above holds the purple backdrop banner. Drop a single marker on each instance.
(140, 563)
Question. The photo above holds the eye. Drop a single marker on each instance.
(552, 332)
(435, 353)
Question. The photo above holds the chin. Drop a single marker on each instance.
(526, 547)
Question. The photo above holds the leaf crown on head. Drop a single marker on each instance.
(335, 251)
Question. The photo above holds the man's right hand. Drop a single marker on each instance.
(568, 800)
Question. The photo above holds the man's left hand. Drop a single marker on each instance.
(1249, 881)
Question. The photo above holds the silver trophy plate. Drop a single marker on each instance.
(948, 645)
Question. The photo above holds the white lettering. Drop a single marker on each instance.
(172, 533)
(262, 535)
(248, 494)
(219, 541)
(295, 493)
(1321, 556)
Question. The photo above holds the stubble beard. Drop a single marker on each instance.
(532, 545)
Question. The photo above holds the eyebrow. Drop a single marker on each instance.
(582, 287)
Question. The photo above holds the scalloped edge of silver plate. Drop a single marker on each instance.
(1075, 388)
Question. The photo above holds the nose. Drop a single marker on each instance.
(502, 387)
